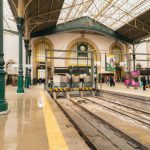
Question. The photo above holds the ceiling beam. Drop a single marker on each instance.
(70, 10)
(50, 11)
(61, 9)
(83, 24)
(101, 10)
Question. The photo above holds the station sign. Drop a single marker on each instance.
(135, 73)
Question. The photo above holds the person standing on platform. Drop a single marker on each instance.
(144, 83)
(111, 81)
(107, 80)
(51, 83)
(114, 81)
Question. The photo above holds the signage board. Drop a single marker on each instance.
(110, 63)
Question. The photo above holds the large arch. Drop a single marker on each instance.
(114, 47)
(9, 62)
(116, 43)
(11, 72)
(85, 40)
(35, 45)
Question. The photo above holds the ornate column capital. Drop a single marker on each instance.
(26, 44)
(20, 23)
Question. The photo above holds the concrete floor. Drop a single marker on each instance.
(24, 128)
(120, 87)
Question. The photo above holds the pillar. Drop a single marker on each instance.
(134, 57)
(3, 103)
(29, 54)
(20, 26)
(92, 68)
(26, 42)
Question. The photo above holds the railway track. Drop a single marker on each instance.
(138, 115)
(124, 105)
(98, 133)
(141, 99)
(136, 101)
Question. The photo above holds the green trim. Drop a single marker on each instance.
(83, 24)
(29, 53)
(3, 103)
(20, 25)
(26, 43)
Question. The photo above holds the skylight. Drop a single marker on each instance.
(8, 18)
(112, 13)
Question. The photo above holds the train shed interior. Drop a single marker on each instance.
(74, 74)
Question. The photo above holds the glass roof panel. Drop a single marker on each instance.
(112, 13)
(9, 22)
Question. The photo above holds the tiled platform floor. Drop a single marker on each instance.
(120, 87)
(26, 128)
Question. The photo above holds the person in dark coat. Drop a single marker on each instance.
(144, 83)
(111, 81)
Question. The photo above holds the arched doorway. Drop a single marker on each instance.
(12, 73)
(40, 46)
(117, 50)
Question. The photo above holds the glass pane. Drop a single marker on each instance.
(41, 73)
(40, 51)
(113, 14)
(117, 52)
(9, 21)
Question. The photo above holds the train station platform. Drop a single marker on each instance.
(35, 122)
(121, 88)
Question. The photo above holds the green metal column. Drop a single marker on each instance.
(3, 103)
(134, 57)
(29, 53)
(26, 42)
(20, 25)
(92, 68)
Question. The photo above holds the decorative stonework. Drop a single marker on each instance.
(95, 48)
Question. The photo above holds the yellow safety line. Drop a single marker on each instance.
(55, 138)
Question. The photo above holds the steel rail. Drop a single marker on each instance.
(117, 110)
(125, 135)
(106, 126)
(141, 99)
(123, 105)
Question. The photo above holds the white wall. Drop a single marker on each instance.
(11, 48)
(62, 40)
(141, 48)
(144, 49)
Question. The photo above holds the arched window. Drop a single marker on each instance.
(41, 46)
(80, 46)
(39, 57)
(116, 50)
(11, 69)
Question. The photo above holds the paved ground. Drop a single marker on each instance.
(120, 87)
(28, 127)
